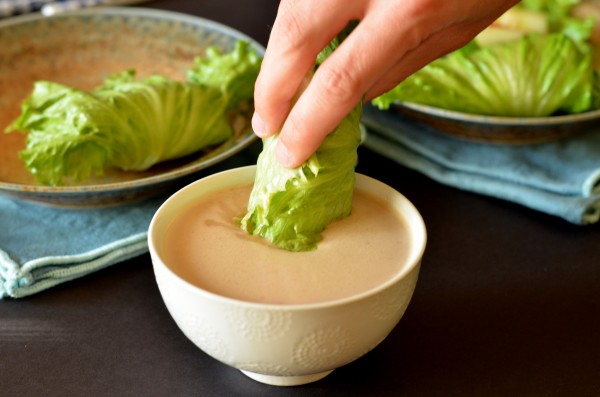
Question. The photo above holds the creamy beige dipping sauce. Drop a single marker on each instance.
(204, 246)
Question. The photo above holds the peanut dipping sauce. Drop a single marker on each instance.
(205, 246)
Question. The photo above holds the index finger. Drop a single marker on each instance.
(301, 30)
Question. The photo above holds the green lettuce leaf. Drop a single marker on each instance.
(233, 73)
(537, 75)
(291, 207)
(127, 123)
(560, 19)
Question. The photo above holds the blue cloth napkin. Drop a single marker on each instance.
(42, 246)
(561, 178)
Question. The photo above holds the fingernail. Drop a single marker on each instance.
(283, 155)
(258, 125)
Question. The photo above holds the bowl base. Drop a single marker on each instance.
(286, 380)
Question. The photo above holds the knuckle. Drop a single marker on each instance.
(289, 29)
(338, 85)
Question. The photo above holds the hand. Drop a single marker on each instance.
(394, 39)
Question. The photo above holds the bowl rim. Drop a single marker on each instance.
(242, 141)
(500, 120)
(247, 173)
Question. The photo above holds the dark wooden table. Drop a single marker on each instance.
(507, 304)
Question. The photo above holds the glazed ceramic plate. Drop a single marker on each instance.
(499, 130)
(82, 48)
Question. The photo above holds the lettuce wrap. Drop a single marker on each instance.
(133, 124)
(291, 207)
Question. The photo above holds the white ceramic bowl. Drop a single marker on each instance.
(284, 344)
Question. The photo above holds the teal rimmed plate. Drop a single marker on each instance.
(497, 129)
(80, 49)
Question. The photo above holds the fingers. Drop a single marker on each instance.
(341, 81)
(301, 30)
(432, 47)
(393, 40)
(437, 44)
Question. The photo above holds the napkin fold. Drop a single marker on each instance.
(42, 246)
(561, 178)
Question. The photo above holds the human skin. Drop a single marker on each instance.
(394, 39)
